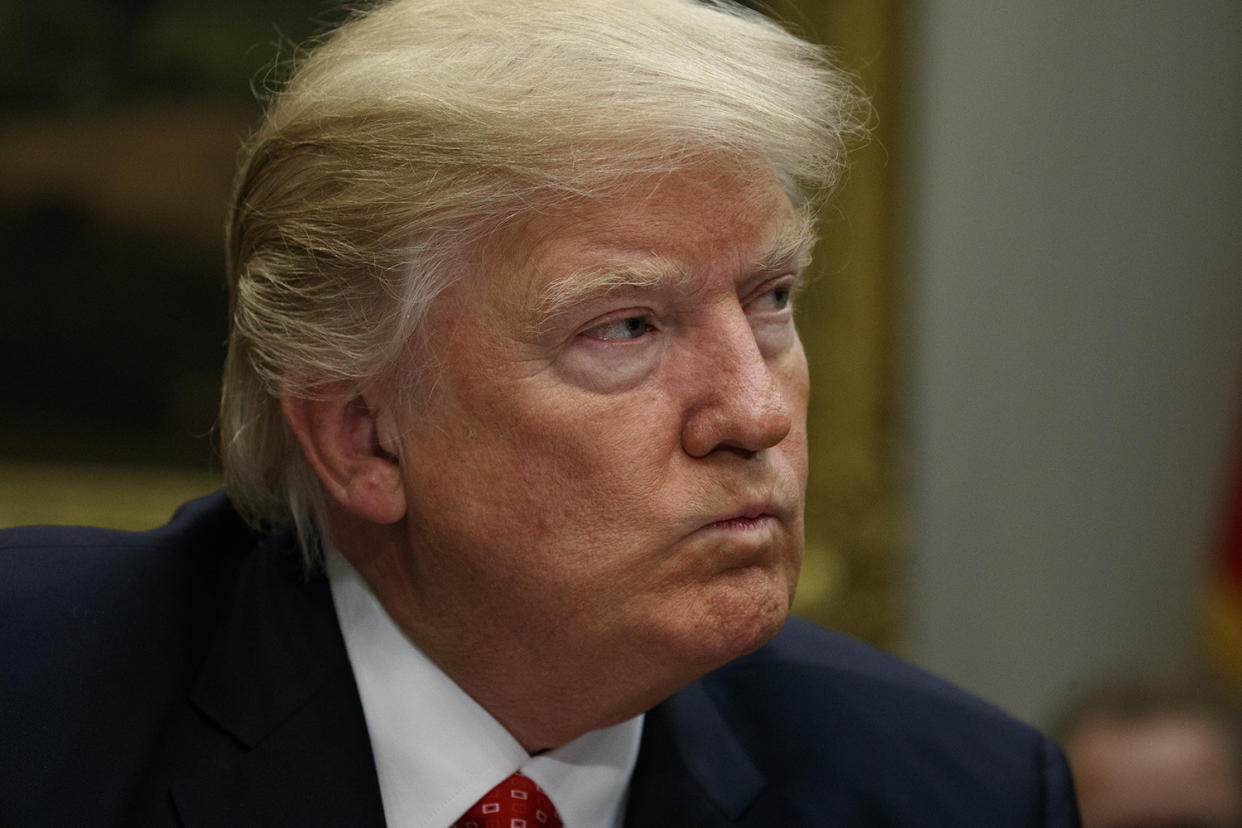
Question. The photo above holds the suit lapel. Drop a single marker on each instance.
(691, 770)
(279, 735)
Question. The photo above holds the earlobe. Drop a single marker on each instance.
(356, 464)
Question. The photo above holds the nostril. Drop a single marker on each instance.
(746, 420)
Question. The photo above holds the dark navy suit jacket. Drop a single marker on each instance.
(194, 675)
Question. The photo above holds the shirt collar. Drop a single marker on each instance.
(437, 751)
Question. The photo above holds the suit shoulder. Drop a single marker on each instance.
(811, 657)
(51, 561)
(813, 705)
(104, 634)
(79, 599)
(208, 515)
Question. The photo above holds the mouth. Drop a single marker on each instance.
(749, 518)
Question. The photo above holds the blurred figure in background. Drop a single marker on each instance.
(1147, 755)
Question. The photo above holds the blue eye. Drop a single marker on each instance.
(630, 327)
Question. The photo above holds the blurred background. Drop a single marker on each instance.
(1025, 334)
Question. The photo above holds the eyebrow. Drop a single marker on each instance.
(604, 280)
(791, 246)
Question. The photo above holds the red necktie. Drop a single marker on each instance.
(515, 803)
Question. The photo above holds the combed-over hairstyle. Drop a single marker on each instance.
(420, 126)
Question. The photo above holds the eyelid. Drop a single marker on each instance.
(614, 318)
(792, 280)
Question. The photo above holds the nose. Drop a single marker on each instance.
(739, 401)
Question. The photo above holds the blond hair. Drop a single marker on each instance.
(417, 128)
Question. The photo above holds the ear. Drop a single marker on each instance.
(353, 449)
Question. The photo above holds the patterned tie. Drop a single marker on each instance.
(516, 802)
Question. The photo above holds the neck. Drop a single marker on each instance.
(542, 706)
(551, 693)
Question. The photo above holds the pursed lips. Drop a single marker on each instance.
(752, 516)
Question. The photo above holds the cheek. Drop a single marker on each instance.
(795, 445)
(563, 468)
(797, 388)
(599, 462)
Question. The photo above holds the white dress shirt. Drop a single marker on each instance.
(437, 752)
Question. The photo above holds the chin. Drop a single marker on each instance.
(740, 616)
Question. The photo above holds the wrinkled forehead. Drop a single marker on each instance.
(701, 223)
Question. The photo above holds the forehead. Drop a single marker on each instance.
(704, 223)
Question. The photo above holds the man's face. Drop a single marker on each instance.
(608, 473)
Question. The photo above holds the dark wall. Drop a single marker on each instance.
(119, 124)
